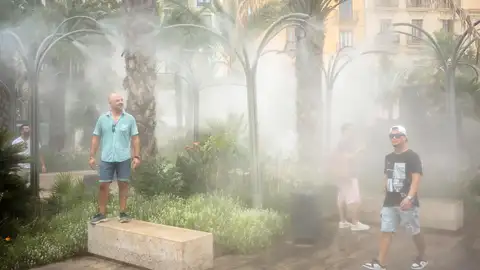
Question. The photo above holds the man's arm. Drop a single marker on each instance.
(94, 145)
(97, 132)
(417, 172)
(135, 138)
(42, 161)
(415, 184)
(136, 145)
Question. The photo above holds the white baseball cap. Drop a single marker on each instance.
(400, 129)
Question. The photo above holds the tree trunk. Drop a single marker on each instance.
(141, 71)
(328, 117)
(178, 102)
(309, 102)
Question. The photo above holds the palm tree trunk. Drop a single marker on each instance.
(309, 102)
(141, 72)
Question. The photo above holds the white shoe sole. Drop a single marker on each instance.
(419, 268)
(100, 221)
(359, 229)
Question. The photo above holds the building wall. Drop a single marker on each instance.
(400, 12)
(471, 5)
(335, 25)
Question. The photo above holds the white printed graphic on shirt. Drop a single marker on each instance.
(398, 176)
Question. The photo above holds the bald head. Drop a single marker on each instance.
(116, 102)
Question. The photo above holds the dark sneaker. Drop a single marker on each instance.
(98, 218)
(124, 217)
(374, 265)
(419, 263)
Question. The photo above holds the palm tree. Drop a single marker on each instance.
(309, 58)
(141, 71)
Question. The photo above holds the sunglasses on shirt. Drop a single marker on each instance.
(396, 136)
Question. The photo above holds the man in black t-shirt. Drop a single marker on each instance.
(403, 170)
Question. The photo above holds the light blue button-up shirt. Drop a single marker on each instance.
(115, 138)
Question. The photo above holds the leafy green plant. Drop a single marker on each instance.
(235, 228)
(65, 161)
(207, 165)
(68, 191)
(16, 200)
(158, 176)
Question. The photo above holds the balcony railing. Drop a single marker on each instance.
(386, 3)
(418, 4)
(446, 4)
(388, 38)
(414, 40)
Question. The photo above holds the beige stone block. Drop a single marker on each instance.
(443, 214)
(152, 246)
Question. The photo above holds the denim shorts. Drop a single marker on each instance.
(392, 217)
(121, 170)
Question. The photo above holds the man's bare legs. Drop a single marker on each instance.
(103, 193)
(385, 241)
(419, 241)
(123, 195)
(353, 209)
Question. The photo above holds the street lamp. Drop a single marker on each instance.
(448, 62)
(33, 64)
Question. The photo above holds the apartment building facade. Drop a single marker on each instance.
(422, 13)
(345, 26)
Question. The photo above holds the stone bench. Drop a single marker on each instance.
(151, 246)
(443, 214)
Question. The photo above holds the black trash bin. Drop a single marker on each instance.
(305, 217)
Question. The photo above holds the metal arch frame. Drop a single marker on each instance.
(449, 63)
(250, 66)
(331, 73)
(33, 66)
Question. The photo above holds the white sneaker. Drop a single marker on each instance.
(359, 227)
(344, 224)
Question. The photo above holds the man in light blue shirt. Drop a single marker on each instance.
(116, 132)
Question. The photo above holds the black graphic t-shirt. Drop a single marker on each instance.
(399, 169)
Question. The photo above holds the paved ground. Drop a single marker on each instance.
(338, 250)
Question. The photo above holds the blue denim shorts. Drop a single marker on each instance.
(392, 217)
(121, 170)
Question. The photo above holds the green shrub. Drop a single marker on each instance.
(235, 228)
(67, 192)
(65, 161)
(16, 200)
(65, 236)
(157, 176)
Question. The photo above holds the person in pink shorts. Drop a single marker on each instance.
(349, 198)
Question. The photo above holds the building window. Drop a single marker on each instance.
(345, 39)
(386, 34)
(386, 3)
(445, 3)
(417, 3)
(201, 3)
(385, 25)
(416, 34)
(447, 26)
(346, 10)
(291, 43)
